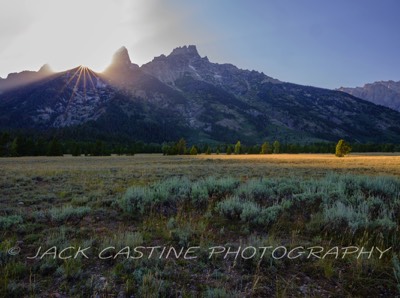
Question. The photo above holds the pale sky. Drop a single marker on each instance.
(312, 42)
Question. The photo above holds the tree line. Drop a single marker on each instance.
(13, 146)
(180, 148)
(20, 145)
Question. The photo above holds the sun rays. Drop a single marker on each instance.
(79, 84)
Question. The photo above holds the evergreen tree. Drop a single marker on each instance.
(76, 150)
(229, 150)
(119, 149)
(254, 149)
(98, 149)
(181, 146)
(29, 147)
(41, 146)
(24, 146)
(165, 149)
(169, 149)
(193, 150)
(218, 149)
(5, 138)
(208, 151)
(342, 148)
(237, 148)
(4, 142)
(276, 146)
(264, 148)
(54, 148)
(14, 148)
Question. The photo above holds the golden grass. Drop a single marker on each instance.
(156, 165)
(371, 164)
(105, 177)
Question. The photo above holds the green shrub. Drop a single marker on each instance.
(269, 215)
(220, 186)
(216, 293)
(340, 213)
(386, 187)
(354, 201)
(255, 189)
(48, 266)
(165, 196)
(152, 286)
(9, 221)
(68, 212)
(70, 269)
(396, 270)
(199, 194)
(358, 216)
(173, 189)
(269, 192)
(247, 211)
(172, 224)
(60, 237)
(250, 212)
(79, 201)
(17, 289)
(183, 235)
(123, 239)
(136, 199)
(232, 208)
(41, 216)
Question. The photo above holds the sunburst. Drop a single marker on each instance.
(83, 75)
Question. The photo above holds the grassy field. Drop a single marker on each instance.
(235, 201)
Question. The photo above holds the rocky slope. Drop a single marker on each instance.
(385, 93)
(267, 105)
(15, 80)
(186, 95)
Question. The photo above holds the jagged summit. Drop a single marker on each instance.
(385, 93)
(190, 50)
(121, 57)
(186, 62)
(184, 94)
(121, 67)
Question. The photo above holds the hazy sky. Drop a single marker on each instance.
(312, 42)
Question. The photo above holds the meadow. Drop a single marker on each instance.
(283, 201)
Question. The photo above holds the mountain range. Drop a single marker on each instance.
(185, 95)
(385, 93)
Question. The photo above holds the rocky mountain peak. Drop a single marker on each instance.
(45, 69)
(121, 67)
(121, 57)
(190, 50)
(183, 94)
(385, 93)
(19, 79)
(186, 62)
